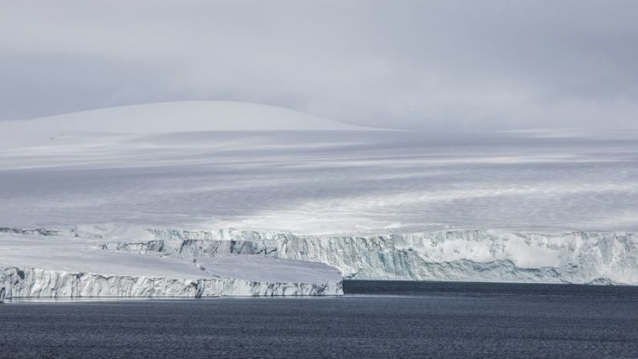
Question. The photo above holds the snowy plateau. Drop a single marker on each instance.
(197, 199)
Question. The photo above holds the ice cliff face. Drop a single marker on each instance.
(475, 255)
(52, 264)
(40, 283)
(83, 262)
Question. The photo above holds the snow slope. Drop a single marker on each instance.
(324, 182)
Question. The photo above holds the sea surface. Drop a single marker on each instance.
(374, 320)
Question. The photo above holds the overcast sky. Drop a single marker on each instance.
(442, 65)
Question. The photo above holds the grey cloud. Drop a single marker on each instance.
(443, 65)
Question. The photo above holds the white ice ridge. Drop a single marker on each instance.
(460, 255)
(49, 264)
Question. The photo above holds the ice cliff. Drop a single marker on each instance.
(44, 264)
(94, 262)
(41, 283)
(469, 255)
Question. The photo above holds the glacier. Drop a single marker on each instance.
(101, 203)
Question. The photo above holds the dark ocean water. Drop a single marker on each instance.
(375, 320)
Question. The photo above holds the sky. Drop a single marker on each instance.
(444, 65)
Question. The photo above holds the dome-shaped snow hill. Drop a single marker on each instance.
(189, 116)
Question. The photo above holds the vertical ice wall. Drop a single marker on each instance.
(56, 264)
(473, 255)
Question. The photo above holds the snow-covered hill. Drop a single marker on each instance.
(167, 117)
(187, 116)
